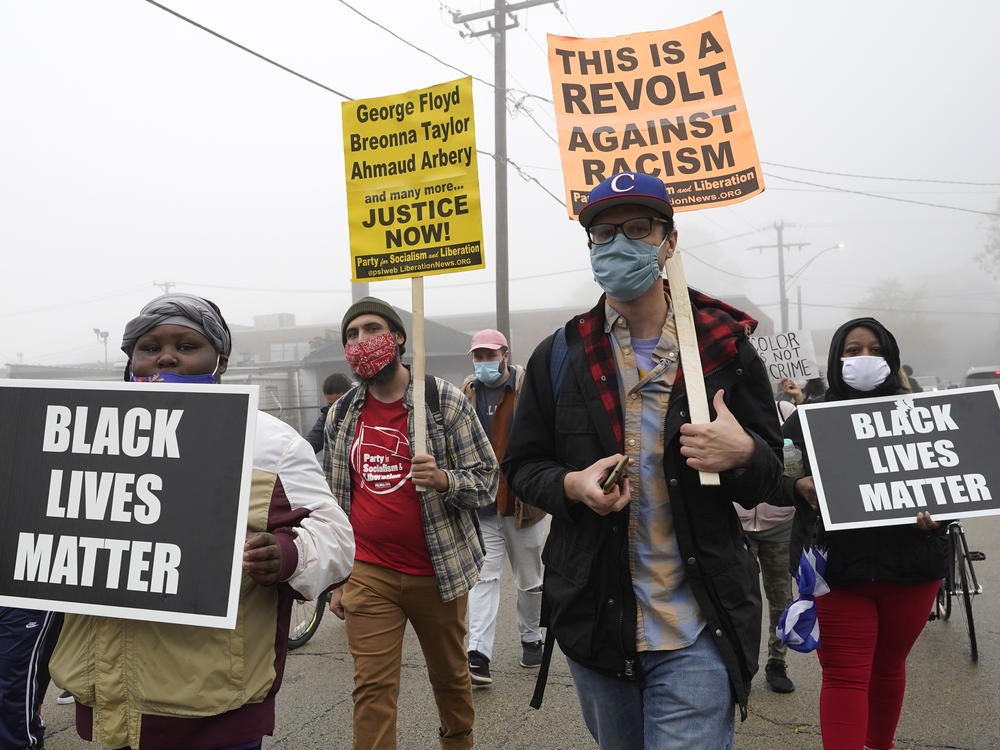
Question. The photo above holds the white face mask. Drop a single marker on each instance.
(864, 373)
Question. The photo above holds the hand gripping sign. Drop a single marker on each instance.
(668, 104)
(413, 196)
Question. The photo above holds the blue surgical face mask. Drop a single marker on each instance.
(173, 377)
(625, 268)
(488, 372)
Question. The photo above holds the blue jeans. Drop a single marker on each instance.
(684, 701)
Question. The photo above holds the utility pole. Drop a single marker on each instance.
(782, 291)
(498, 28)
(166, 286)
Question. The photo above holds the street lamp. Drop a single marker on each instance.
(103, 337)
(785, 285)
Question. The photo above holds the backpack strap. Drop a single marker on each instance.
(557, 361)
(432, 397)
(340, 408)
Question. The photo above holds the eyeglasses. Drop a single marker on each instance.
(634, 229)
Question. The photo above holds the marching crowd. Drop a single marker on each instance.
(650, 579)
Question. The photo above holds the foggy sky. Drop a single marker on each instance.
(135, 148)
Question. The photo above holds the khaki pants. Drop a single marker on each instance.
(378, 602)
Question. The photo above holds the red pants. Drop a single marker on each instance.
(866, 631)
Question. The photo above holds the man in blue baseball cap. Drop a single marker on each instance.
(649, 588)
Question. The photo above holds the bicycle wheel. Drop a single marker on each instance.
(941, 602)
(963, 576)
(949, 576)
(304, 622)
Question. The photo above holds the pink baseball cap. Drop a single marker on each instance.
(488, 339)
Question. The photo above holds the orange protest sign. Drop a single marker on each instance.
(667, 103)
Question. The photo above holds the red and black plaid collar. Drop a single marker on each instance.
(719, 327)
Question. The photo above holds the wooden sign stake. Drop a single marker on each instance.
(419, 367)
(687, 338)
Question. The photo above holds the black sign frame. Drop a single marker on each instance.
(135, 507)
(862, 459)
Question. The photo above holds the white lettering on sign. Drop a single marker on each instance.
(135, 433)
(104, 495)
(955, 488)
(918, 420)
(913, 456)
(73, 562)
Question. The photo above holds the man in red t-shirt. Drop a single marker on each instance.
(418, 548)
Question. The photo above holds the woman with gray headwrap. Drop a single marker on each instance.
(179, 309)
(164, 686)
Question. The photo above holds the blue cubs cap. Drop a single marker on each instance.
(627, 187)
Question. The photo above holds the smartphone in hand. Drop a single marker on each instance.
(616, 475)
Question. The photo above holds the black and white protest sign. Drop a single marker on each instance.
(880, 461)
(788, 354)
(125, 499)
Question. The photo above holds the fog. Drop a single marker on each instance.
(137, 150)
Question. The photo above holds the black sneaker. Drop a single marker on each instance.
(479, 669)
(531, 654)
(65, 697)
(777, 677)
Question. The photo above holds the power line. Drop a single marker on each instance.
(411, 44)
(525, 176)
(872, 177)
(75, 303)
(884, 197)
(248, 50)
(921, 311)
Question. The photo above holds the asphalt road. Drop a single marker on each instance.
(950, 702)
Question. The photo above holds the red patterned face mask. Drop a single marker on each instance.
(368, 358)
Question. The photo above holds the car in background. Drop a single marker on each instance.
(982, 376)
(929, 382)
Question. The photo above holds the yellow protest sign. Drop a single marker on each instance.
(666, 103)
(413, 183)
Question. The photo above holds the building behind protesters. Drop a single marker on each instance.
(649, 589)
(414, 517)
(882, 579)
(159, 686)
(511, 529)
(334, 386)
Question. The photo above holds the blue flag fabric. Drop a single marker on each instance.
(798, 627)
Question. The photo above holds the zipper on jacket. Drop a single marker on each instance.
(629, 671)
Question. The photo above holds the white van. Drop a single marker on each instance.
(982, 376)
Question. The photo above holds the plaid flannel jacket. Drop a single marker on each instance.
(463, 452)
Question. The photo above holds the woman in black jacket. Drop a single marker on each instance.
(882, 579)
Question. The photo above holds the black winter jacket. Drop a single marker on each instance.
(588, 600)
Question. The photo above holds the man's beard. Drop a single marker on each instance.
(383, 376)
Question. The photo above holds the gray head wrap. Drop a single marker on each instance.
(182, 310)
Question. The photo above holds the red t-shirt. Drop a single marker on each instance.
(385, 506)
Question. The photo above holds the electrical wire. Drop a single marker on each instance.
(75, 303)
(883, 197)
(248, 50)
(411, 44)
(872, 177)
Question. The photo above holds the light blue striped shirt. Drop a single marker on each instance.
(668, 616)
